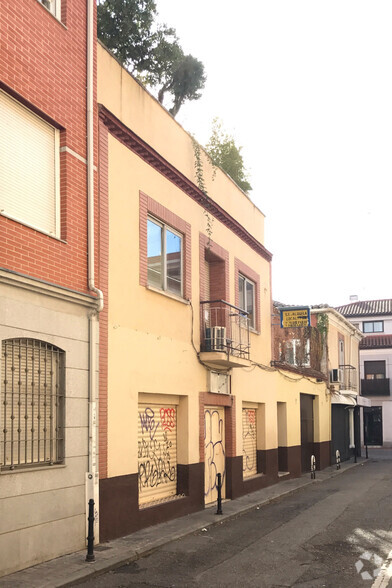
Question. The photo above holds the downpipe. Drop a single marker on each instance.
(92, 474)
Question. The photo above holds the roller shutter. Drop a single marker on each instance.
(214, 449)
(157, 452)
(29, 166)
(249, 442)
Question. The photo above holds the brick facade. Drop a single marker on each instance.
(43, 66)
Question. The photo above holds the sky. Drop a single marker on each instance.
(305, 87)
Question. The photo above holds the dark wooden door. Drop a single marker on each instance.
(373, 425)
(340, 432)
(307, 438)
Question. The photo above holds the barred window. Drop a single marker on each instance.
(32, 404)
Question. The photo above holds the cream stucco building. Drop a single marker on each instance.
(187, 387)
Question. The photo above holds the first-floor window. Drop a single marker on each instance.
(164, 257)
(32, 404)
(54, 6)
(29, 167)
(247, 291)
(374, 370)
(296, 352)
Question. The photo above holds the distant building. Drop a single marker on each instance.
(328, 349)
(374, 319)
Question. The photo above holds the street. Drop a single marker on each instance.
(336, 533)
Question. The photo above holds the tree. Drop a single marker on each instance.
(225, 154)
(151, 52)
(186, 80)
(126, 28)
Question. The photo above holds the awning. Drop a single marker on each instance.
(348, 399)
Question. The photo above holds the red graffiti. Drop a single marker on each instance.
(251, 416)
(168, 418)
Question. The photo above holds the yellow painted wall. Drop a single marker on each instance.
(139, 111)
(152, 337)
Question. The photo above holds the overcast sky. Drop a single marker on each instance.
(305, 86)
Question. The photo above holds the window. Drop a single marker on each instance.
(32, 404)
(246, 290)
(54, 6)
(296, 352)
(374, 370)
(164, 257)
(373, 326)
(29, 167)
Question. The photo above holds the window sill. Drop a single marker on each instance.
(254, 331)
(167, 294)
(29, 469)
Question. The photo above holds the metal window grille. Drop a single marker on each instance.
(32, 404)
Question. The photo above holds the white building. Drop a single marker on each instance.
(374, 319)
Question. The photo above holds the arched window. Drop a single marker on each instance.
(31, 404)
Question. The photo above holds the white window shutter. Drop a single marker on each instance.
(29, 167)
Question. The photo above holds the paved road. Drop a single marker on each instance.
(333, 534)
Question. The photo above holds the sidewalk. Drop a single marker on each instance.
(70, 569)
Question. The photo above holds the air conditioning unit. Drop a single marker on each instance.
(218, 338)
(336, 376)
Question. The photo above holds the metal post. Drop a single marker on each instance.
(313, 467)
(90, 538)
(219, 488)
(337, 459)
(367, 455)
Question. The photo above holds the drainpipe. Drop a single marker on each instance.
(92, 477)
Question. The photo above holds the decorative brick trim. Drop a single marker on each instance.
(149, 206)
(218, 252)
(248, 272)
(103, 264)
(210, 399)
(152, 157)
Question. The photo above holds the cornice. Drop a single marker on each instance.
(155, 160)
(11, 278)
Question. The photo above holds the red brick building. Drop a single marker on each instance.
(48, 298)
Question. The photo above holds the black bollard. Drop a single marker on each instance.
(90, 537)
(219, 488)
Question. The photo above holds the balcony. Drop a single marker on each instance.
(348, 378)
(225, 337)
(376, 387)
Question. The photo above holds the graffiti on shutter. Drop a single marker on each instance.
(157, 452)
(214, 447)
(249, 464)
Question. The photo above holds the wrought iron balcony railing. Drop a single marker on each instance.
(225, 328)
(349, 379)
(376, 387)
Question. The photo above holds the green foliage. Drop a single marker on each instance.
(150, 51)
(188, 79)
(126, 28)
(202, 187)
(226, 155)
(322, 325)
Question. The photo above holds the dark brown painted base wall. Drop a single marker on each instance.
(120, 514)
(118, 502)
(322, 453)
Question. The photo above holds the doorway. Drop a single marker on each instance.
(373, 425)
(307, 436)
(214, 452)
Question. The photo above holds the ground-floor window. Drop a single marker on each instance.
(157, 452)
(32, 404)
